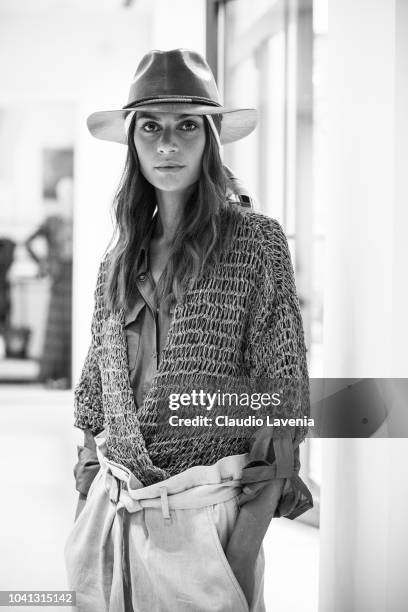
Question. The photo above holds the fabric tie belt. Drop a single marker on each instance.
(196, 487)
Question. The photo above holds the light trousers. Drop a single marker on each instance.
(159, 548)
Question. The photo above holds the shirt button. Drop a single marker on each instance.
(142, 277)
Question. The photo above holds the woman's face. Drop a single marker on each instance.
(170, 149)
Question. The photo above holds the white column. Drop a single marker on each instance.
(400, 258)
(363, 505)
(358, 300)
(125, 38)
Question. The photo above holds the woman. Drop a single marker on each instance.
(197, 295)
(56, 230)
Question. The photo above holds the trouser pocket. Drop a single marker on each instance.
(88, 550)
(222, 518)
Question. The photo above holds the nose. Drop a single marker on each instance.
(167, 142)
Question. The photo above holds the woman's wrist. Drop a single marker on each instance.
(253, 520)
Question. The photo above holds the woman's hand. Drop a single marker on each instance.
(249, 530)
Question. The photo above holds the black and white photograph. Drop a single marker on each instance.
(203, 305)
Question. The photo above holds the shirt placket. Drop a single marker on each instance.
(145, 285)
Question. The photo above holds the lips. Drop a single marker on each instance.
(169, 165)
(169, 168)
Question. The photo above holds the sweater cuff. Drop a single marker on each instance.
(87, 465)
(271, 458)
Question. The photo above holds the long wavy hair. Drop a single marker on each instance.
(204, 230)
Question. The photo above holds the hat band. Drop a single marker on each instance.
(182, 99)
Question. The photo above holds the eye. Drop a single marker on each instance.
(150, 126)
(189, 126)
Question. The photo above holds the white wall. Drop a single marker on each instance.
(179, 23)
(82, 59)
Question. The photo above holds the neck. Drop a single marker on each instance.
(170, 206)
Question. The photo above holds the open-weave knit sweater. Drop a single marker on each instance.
(239, 320)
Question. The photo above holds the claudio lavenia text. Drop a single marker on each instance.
(223, 420)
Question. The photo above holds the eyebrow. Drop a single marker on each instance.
(145, 115)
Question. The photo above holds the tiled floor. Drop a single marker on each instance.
(37, 453)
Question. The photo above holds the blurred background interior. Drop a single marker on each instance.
(61, 60)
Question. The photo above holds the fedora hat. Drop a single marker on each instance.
(178, 81)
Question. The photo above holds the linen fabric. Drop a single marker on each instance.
(242, 319)
(159, 548)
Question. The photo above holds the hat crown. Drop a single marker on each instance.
(179, 73)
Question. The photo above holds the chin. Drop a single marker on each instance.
(171, 185)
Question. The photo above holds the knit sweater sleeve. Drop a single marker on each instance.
(278, 345)
(88, 407)
(278, 357)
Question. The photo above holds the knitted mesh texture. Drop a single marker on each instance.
(241, 320)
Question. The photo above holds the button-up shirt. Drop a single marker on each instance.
(147, 323)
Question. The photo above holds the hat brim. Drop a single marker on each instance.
(236, 122)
